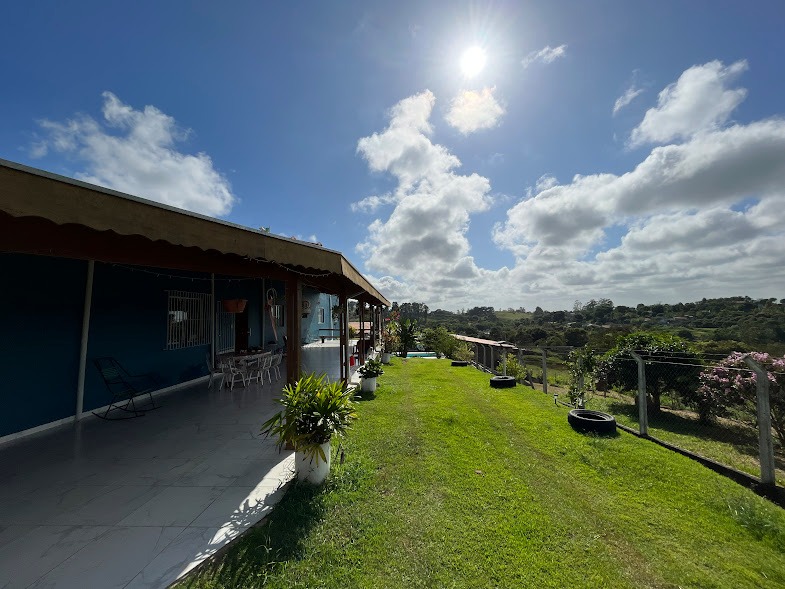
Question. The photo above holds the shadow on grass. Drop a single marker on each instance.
(365, 396)
(250, 561)
(743, 438)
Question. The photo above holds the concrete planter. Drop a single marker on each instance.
(314, 470)
(385, 357)
(368, 384)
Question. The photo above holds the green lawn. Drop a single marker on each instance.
(449, 483)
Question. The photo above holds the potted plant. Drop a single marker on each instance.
(390, 340)
(313, 411)
(369, 372)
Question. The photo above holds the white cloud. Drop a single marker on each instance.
(547, 54)
(135, 152)
(629, 95)
(699, 100)
(423, 241)
(471, 111)
(703, 217)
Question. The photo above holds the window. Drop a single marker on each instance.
(188, 322)
(321, 314)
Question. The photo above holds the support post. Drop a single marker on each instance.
(294, 304)
(361, 343)
(643, 409)
(504, 362)
(544, 370)
(493, 360)
(88, 302)
(765, 442)
(344, 302)
(212, 322)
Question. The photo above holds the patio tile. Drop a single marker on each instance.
(108, 508)
(173, 506)
(38, 550)
(111, 560)
(185, 552)
(240, 507)
(39, 507)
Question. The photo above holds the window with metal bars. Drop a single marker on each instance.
(189, 320)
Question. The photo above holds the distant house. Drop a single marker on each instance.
(91, 272)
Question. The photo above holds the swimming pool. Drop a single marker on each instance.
(421, 354)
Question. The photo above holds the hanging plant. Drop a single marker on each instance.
(234, 305)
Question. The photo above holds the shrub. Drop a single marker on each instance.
(672, 369)
(732, 383)
(462, 352)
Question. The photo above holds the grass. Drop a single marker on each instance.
(449, 483)
(728, 442)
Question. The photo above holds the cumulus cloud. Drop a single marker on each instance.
(547, 54)
(700, 100)
(704, 216)
(471, 111)
(721, 167)
(423, 241)
(135, 151)
(625, 99)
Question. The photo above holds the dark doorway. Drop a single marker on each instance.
(241, 330)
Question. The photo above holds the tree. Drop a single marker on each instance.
(670, 370)
(439, 340)
(408, 334)
(576, 337)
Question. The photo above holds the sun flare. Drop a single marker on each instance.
(473, 61)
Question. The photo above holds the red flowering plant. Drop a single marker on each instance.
(732, 383)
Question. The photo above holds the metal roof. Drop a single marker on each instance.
(27, 192)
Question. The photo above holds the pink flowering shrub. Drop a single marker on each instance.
(732, 384)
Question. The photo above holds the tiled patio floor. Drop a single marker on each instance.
(137, 503)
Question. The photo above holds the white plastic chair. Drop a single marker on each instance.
(253, 367)
(231, 370)
(215, 373)
(276, 365)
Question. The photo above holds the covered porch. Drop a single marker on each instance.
(138, 503)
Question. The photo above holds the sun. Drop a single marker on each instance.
(473, 61)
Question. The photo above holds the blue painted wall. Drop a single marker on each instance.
(310, 326)
(41, 306)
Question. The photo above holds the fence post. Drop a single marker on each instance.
(582, 398)
(504, 362)
(765, 443)
(643, 413)
(544, 370)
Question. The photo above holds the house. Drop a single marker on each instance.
(91, 272)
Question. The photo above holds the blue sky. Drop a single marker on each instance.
(628, 150)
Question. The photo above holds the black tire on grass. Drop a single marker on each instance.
(586, 420)
(502, 382)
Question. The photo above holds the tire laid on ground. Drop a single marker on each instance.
(586, 420)
(460, 363)
(502, 382)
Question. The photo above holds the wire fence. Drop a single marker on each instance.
(727, 409)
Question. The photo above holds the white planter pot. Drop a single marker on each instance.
(385, 357)
(369, 384)
(314, 470)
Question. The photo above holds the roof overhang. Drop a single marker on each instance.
(75, 212)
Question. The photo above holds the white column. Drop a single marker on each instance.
(88, 301)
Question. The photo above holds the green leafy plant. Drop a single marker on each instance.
(408, 334)
(462, 352)
(372, 368)
(582, 363)
(313, 411)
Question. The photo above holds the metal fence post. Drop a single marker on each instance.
(544, 370)
(643, 414)
(765, 443)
